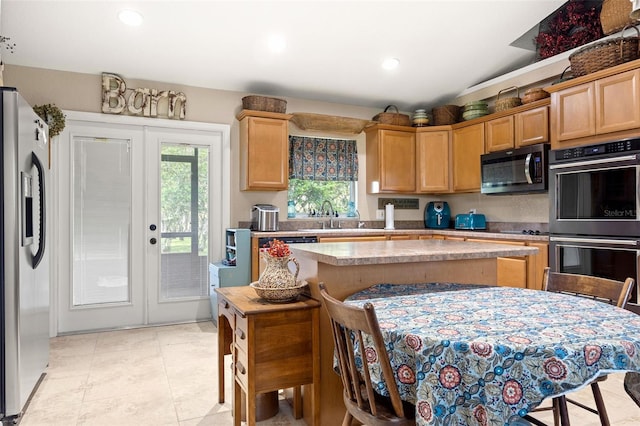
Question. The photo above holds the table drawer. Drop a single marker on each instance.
(241, 337)
(240, 366)
(225, 309)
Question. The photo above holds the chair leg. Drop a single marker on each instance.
(556, 411)
(347, 419)
(564, 413)
(602, 411)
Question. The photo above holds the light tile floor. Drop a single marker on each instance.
(168, 376)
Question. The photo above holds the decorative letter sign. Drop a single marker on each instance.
(145, 102)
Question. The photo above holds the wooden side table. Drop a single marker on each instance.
(274, 346)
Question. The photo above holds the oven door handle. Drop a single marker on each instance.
(594, 162)
(527, 168)
(633, 243)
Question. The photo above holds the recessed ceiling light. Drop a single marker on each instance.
(130, 17)
(390, 63)
(277, 43)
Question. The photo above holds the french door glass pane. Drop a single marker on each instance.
(184, 189)
(101, 221)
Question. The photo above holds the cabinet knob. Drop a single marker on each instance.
(240, 368)
(226, 304)
(240, 334)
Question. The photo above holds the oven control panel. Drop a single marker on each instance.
(599, 149)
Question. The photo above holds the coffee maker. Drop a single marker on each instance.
(437, 215)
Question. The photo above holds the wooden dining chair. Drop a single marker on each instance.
(609, 291)
(348, 324)
(632, 379)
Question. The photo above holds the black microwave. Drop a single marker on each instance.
(520, 170)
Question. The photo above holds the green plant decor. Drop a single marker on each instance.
(53, 116)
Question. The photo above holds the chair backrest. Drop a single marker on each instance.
(632, 378)
(610, 291)
(349, 323)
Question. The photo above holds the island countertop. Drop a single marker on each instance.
(405, 251)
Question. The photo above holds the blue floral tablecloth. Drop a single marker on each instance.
(480, 355)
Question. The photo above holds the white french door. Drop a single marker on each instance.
(182, 197)
(139, 218)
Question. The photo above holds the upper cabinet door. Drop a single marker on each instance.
(532, 126)
(398, 167)
(467, 146)
(500, 134)
(391, 160)
(432, 161)
(618, 102)
(264, 152)
(574, 112)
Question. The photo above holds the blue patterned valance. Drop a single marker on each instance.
(323, 159)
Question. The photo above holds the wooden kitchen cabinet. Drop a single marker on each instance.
(511, 271)
(541, 261)
(433, 158)
(595, 106)
(264, 151)
(520, 129)
(274, 346)
(391, 159)
(532, 126)
(573, 112)
(618, 102)
(467, 147)
(500, 133)
(516, 271)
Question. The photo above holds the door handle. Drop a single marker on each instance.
(43, 211)
(527, 169)
(153, 240)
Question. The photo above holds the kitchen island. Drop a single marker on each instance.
(346, 268)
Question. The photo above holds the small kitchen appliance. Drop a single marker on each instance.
(471, 221)
(264, 217)
(437, 215)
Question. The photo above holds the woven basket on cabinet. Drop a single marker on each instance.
(605, 54)
(614, 15)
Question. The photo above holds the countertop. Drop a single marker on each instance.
(404, 251)
(354, 232)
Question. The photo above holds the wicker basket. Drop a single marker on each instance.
(507, 103)
(614, 15)
(392, 117)
(604, 54)
(329, 123)
(264, 103)
(445, 114)
(534, 94)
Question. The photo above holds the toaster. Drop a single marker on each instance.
(264, 217)
(471, 221)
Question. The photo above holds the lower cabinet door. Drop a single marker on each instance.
(512, 272)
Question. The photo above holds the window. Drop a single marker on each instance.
(322, 170)
(308, 195)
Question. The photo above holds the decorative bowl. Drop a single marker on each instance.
(279, 295)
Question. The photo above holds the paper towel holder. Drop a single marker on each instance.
(388, 217)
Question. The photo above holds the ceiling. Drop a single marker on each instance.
(334, 49)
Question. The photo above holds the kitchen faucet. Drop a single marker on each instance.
(326, 212)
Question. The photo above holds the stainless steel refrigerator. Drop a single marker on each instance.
(25, 267)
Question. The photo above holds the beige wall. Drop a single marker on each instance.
(82, 92)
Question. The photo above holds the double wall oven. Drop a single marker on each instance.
(594, 223)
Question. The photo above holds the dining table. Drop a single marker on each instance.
(466, 354)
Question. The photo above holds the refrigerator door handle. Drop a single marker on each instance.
(43, 211)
